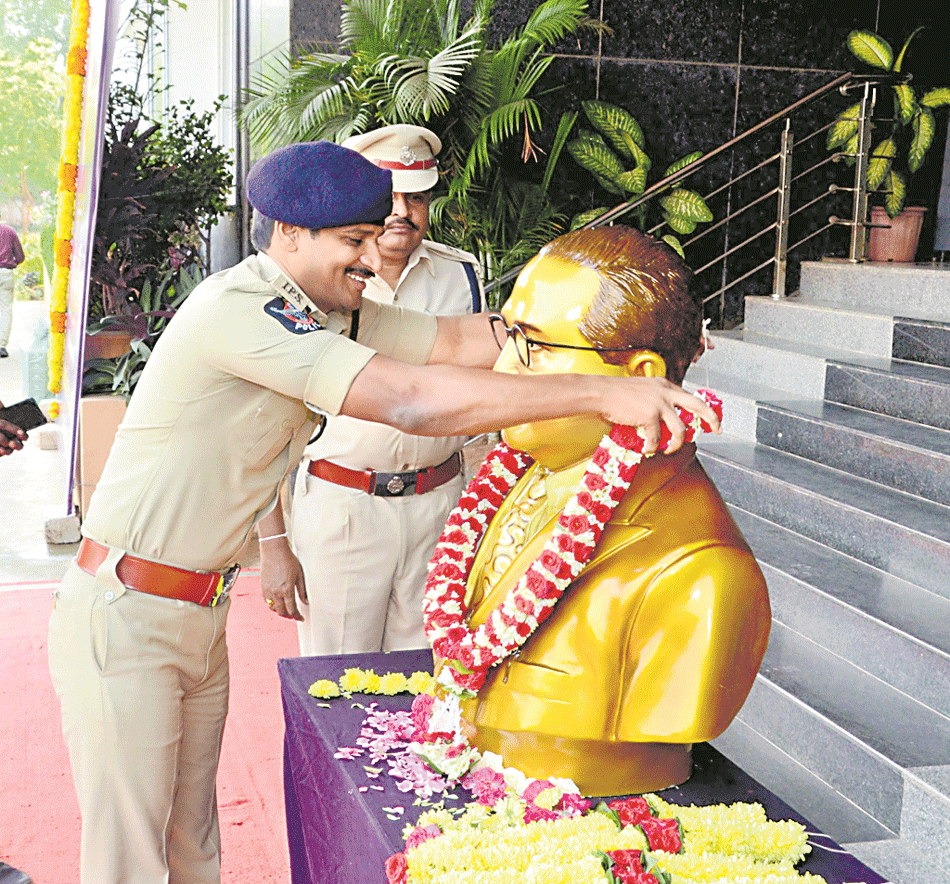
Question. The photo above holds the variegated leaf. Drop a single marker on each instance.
(674, 244)
(680, 224)
(936, 97)
(880, 162)
(682, 163)
(905, 103)
(599, 160)
(871, 49)
(896, 188)
(582, 218)
(634, 181)
(614, 122)
(642, 159)
(844, 127)
(686, 203)
(924, 128)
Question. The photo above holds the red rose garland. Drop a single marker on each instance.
(469, 654)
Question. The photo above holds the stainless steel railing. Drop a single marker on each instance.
(733, 249)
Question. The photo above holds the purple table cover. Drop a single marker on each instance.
(340, 835)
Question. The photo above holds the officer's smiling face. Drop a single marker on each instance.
(333, 265)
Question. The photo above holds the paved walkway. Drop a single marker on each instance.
(39, 823)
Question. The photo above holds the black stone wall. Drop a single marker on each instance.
(697, 72)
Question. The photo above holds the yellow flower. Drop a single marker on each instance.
(393, 683)
(421, 683)
(372, 683)
(324, 689)
(353, 680)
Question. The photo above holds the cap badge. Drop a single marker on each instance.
(407, 156)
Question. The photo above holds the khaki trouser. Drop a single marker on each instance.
(143, 684)
(365, 561)
(6, 305)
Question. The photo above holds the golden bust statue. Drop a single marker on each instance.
(656, 643)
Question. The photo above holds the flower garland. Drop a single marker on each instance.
(66, 192)
(470, 654)
(623, 842)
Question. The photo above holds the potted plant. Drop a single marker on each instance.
(616, 156)
(900, 146)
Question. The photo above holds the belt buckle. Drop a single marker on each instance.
(394, 484)
(225, 583)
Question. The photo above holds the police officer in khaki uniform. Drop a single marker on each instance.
(225, 406)
(370, 502)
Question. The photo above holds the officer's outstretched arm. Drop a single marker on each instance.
(445, 400)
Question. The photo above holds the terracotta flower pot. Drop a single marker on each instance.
(898, 240)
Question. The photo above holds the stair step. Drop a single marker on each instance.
(740, 398)
(902, 535)
(903, 730)
(906, 390)
(818, 322)
(920, 290)
(798, 786)
(897, 453)
(893, 629)
(816, 759)
(901, 862)
(918, 340)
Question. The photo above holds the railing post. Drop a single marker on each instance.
(784, 200)
(859, 216)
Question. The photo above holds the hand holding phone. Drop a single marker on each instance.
(26, 415)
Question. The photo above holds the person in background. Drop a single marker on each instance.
(11, 257)
(223, 410)
(369, 501)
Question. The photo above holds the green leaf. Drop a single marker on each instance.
(924, 128)
(682, 163)
(880, 162)
(582, 218)
(680, 224)
(610, 813)
(900, 58)
(599, 160)
(936, 97)
(615, 123)
(634, 181)
(905, 103)
(845, 126)
(674, 244)
(871, 49)
(896, 187)
(687, 204)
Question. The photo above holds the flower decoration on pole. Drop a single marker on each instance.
(66, 191)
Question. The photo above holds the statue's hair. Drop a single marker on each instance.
(644, 298)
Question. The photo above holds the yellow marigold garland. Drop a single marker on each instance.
(66, 192)
(365, 681)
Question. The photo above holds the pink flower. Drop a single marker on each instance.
(627, 437)
(594, 482)
(487, 785)
(533, 814)
(421, 834)
(572, 804)
(600, 457)
(397, 869)
(628, 867)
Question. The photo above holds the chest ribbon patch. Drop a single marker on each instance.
(295, 321)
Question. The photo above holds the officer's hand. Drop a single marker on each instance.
(11, 438)
(282, 578)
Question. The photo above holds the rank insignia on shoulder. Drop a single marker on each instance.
(296, 321)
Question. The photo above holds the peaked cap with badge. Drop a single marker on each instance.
(316, 184)
(409, 152)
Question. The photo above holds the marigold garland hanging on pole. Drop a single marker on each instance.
(66, 192)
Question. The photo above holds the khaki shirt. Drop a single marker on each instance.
(434, 281)
(225, 407)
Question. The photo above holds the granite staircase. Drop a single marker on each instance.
(835, 461)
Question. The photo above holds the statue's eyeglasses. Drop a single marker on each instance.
(523, 344)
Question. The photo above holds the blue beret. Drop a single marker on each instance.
(319, 184)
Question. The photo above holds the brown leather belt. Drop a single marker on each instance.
(205, 588)
(388, 484)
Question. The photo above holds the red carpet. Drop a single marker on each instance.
(39, 822)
